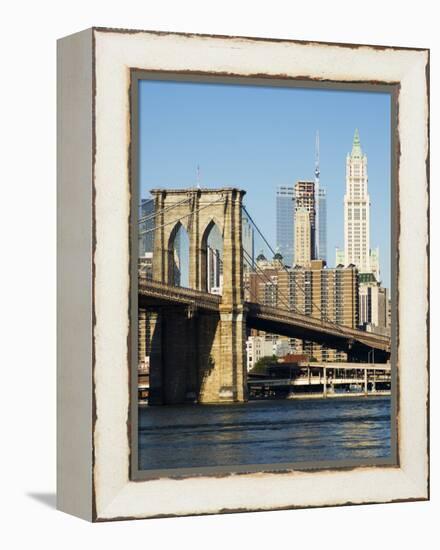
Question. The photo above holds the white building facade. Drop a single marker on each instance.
(357, 210)
(258, 347)
(373, 305)
(268, 345)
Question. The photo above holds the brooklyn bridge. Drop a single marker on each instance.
(195, 339)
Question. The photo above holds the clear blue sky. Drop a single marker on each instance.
(257, 138)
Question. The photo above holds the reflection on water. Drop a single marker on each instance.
(264, 432)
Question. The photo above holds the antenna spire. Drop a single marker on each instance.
(317, 248)
(317, 171)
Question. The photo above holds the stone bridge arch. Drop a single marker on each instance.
(202, 354)
(197, 210)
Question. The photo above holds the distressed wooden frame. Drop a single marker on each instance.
(94, 346)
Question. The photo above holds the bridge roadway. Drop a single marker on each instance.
(266, 318)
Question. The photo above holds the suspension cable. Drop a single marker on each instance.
(145, 200)
(285, 269)
(222, 199)
(284, 298)
(162, 210)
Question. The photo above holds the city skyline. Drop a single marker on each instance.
(259, 138)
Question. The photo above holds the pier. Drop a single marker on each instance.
(324, 380)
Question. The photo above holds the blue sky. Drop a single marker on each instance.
(257, 138)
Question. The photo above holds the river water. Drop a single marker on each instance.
(264, 432)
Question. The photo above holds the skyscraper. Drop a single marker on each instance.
(146, 226)
(324, 293)
(215, 272)
(305, 200)
(357, 209)
(285, 206)
(303, 237)
(248, 238)
(321, 253)
(373, 305)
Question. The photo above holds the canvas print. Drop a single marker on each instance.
(264, 277)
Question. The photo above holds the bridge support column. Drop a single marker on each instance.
(222, 361)
(154, 345)
(233, 374)
(204, 356)
(173, 353)
(179, 364)
(191, 381)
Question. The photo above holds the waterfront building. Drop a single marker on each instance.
(303, 237)
(265, 345)
(285, 216)
(327, 294)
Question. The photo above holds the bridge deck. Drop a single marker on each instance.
(161, 293)
(269, 319)
(281, 321)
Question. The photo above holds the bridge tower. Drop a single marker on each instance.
(202, 354)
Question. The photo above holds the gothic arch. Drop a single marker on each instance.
(211, 266)
(177, 256)
(213, 220)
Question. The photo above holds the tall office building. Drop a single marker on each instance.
(324, 293)
(303, 237)
(214, 261)
(373, 305)
(215, 271)
(146, 226)
(285, 216)
(248, 239)
(327, 294)
(305, 202)
(321, 252)
(357, 210)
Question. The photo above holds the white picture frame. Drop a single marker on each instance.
(94, 68)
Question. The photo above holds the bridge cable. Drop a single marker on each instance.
(285, 301)
(162, 210)
(285, 268)
(185, 215)
(268, 280)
